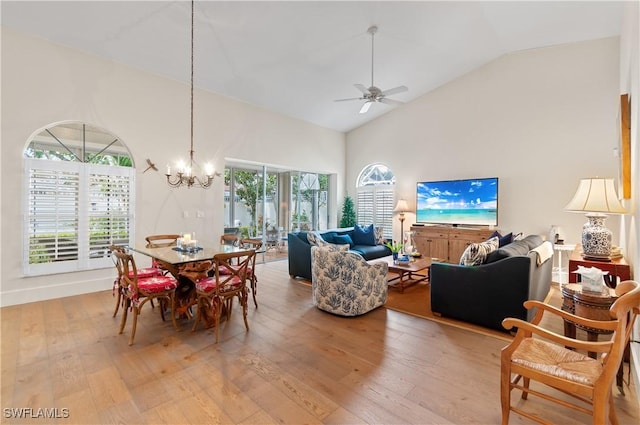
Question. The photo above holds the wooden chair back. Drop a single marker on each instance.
(252, 243)
(156, 287)
(229, 239)
(215, 294)
(159, 241)
(117, 290)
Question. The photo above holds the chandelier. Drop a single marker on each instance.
(185, 174)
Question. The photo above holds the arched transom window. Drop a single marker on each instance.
(375, 197)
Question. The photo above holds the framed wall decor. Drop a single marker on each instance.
(625, 145)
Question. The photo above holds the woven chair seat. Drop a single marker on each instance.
(558, 361)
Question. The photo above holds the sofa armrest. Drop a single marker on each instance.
(299, 253)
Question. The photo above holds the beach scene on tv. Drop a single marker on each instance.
(459, 202)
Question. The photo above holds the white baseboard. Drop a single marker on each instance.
(29, 295)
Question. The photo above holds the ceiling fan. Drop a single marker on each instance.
(373, 93)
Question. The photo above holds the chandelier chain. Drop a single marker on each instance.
(186, 177)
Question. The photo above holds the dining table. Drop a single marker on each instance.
(186, 265)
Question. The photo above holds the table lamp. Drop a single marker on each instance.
(597, 197)
(401, 208)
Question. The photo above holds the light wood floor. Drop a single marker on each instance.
(296, 365)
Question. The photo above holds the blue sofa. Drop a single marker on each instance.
(299, 250)
(486, 294)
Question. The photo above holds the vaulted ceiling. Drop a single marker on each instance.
(296, 58)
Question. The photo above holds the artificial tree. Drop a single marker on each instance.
(348, 213)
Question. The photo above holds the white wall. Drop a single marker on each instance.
(538, 119)
(630, 83)
(43, 83)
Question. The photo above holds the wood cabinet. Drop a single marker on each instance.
(431, 241)
(447, 243)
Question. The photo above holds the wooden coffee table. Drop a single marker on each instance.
(408, 274)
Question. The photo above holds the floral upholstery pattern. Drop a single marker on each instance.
(210, 283)
(344, 283)
(147, 272)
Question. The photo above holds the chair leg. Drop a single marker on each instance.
(612, 411)
(217, 306)
(136, 312)
(162, 305)
(198, 314)
(172, 298)
(505, 392)
(125, 311)
(118, 301)
(525, 384)
(254, 286)
(244, 302)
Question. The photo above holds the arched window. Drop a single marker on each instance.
(375, 197)
(78, 191)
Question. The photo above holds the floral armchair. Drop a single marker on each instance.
(344, 283)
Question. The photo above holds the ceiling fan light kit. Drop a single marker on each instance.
(374, 94)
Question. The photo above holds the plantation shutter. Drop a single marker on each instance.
(384, 210)
(74, 211)
(375, 205)
(52, 214)
(110, 210)
(365, 206)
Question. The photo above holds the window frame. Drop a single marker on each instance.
(80, 207)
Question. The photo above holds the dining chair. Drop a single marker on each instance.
(137, 290)
(254, 244)
(117, 283)
(229, 239)
(215, 294)
(161, 241)
(272, 239)
(551, 359)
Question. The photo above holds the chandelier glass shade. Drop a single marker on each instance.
(186, 172)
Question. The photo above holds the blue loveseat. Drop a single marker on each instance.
(299, 249)
(485, 294)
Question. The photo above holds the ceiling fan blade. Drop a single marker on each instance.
(390, 101)
(395, 90)
(365, 107)
(362, 88)
(351, 98)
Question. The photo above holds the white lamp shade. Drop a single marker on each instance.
(596, 195)
(401, 206)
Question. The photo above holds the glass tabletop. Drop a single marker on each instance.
(172, 256)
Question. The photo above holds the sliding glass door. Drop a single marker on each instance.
(260, 200)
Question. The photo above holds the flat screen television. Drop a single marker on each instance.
(458, 202)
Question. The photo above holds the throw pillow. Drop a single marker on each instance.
(364, 235)
(329, 236)
(476, 253)
(379, 235)
(342, 240)
(502, 240)
(315, 239)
